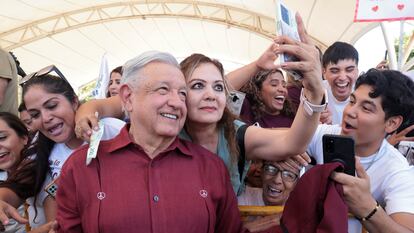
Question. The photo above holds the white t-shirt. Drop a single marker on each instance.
(392, 183)
(251, 196)
(334, 106)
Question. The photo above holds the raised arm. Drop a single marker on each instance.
(239, 77)
(270, 144)
(86, 118)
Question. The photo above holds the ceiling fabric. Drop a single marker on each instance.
(74, 34)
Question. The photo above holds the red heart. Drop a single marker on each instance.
(400, 6)
(375, 8)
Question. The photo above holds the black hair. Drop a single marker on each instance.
(395, 89)
(30, 176)
(14, 123)
(20, 180)
(55, 85)
(339, 51)
(118, 70)
(21, 107)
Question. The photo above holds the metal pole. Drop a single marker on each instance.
(390, 47)
(400, 45)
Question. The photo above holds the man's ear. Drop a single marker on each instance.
(393, 123)
(125, 93)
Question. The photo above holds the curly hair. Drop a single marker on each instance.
(188, 66)
(253, 94)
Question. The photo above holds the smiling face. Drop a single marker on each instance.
(273, 93)
(11, 146)
(206, 94)
(278, 181)
(157, 104)
(53, 113)
(114, 84)
(341, 77)
(364, 120)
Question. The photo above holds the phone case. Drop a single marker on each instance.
(286, 25)
(337, 148)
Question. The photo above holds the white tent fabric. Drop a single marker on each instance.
(73, 34)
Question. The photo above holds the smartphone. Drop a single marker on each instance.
(337, 148)
(286, 25)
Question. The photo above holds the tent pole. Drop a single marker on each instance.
(408, 48)
(400, 45)
(390, 47)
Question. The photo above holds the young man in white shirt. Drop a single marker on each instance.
(340, 70)
(382, 193)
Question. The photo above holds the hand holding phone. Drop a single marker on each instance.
(286, 25)
(337, 148)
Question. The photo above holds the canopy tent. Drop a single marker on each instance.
(74, 34)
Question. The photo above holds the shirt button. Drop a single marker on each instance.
(156, 198)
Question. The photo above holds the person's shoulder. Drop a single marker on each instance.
(111, 122)
(112, 127)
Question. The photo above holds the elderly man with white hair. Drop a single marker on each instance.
(146, 179)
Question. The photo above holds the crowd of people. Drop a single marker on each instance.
(172, 156)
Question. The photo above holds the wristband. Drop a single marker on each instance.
(369, 215)
(312, 108)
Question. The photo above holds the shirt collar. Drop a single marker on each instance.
(123, 139)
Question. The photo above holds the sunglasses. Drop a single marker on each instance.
(43, 71)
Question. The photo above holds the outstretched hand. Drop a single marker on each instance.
(267, 60)
(84, 126)
(401, 136)
(309, 63)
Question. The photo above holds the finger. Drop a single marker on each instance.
(302, 159)
(300, 51)
(82, 127)
(299, 65)
(303, 35)
(291, 165)
(342, 178)
(16, 216)
(94, 121)
(283, 39)
(408, 139)
(4, 219)
(360, 170)
(306, 157)
(406, 130)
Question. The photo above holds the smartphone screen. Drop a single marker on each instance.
(337, 148)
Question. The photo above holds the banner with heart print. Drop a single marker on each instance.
(383, 10)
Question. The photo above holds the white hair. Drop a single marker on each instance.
(132, 67)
